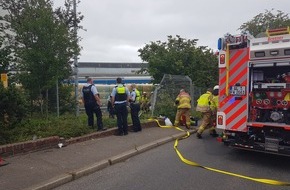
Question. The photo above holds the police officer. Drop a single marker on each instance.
(135, 108)
(120, 98)
(92, 103)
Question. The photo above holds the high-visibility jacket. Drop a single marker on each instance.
(214, 103)
(144, 99)
(137, 95)
(183, 100)
(204, 102)
(120, 93)
(137, 99)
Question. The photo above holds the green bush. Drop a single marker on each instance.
(166, 107)
(67, 126)
(14, 109)
(67, 101)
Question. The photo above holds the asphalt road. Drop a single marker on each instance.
(161, 168)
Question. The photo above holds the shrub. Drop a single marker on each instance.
(14, 108)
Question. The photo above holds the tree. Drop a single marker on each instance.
(263, 21)
(5, 51)
(5, 56)
(44, 42)
(179, 56)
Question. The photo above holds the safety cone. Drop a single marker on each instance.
(3, 162)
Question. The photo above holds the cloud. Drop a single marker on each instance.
(117, 29)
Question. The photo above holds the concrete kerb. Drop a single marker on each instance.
(90, 169)
(52, 183)
(146, 147)
(122, 157)
(65, 178)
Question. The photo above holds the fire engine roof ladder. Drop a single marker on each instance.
(278, 31)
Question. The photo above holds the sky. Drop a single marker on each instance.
(116, 29)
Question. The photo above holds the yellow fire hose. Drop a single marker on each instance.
(191, 163)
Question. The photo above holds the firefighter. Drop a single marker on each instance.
(214, 106)
(183, 101)
(204, 106)
(144, 102)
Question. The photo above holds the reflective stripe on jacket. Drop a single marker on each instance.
(184, 100)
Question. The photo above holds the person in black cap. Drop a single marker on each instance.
(120, 98)
(92, 103)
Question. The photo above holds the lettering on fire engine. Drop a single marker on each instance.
(235, 39)
(238, 90)
(278, 38)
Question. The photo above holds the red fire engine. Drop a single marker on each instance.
(254, 95)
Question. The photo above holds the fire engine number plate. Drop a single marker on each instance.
(238, 90)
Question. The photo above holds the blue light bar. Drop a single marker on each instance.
(220, 44)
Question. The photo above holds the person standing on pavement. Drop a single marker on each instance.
(92, 102)
(120, 98)
(203, 106)
(183, 102)
(135, 108)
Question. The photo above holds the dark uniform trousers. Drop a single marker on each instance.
(122, 114)
(135, 108)
(92, 108)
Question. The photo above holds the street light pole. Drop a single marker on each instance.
(76, 60)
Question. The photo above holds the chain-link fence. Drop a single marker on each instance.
(163, 100)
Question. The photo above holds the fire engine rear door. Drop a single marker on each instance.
(233, 82)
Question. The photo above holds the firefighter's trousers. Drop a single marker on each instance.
(206, 122)
(179, 113)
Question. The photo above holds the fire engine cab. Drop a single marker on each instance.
(254, 91)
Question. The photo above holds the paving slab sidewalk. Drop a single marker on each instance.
(53, 167)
